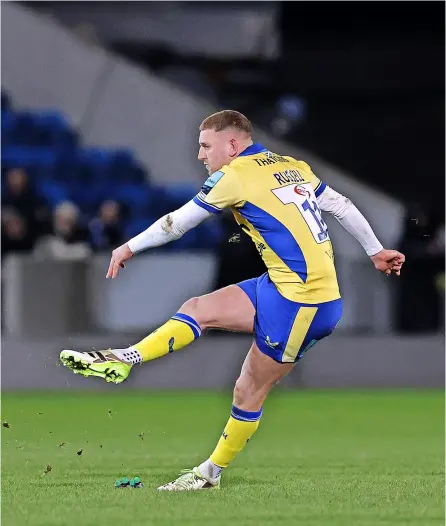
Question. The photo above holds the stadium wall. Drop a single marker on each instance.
(185, 27)
(114, 103)
(213, 362)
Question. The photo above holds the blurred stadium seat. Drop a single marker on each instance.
(60, 168)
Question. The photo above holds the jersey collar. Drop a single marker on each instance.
(253, 149)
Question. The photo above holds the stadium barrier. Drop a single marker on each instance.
(44, 298)
(213, 362)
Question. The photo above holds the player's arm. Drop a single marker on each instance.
(356, 224)
(168, 228)
(220, 190)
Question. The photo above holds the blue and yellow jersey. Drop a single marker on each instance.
(273, 198)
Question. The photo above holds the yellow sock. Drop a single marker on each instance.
(179, 331)
(239, 429)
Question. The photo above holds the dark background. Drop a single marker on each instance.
(371, 77)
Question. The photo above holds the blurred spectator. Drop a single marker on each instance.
(18, 193)
(69, 239)
(105, 230)
(419, 307)
(16, 236)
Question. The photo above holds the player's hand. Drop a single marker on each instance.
(389, 261)
(119, 256)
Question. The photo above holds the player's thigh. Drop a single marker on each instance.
(228, 308)
(285, 330)
(258, 375)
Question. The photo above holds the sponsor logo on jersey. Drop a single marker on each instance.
(211, 181)
(301, 191)
(261, 247)
(271, 344)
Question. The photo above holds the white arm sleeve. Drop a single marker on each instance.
(350, 218)
(169, 227)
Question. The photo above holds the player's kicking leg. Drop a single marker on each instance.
(259, 374)
(227, 308)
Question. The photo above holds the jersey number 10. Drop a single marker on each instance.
(303, 197)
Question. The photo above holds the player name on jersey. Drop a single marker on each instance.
(270, 158)
(289, 176)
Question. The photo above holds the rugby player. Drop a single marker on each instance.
(277, 200)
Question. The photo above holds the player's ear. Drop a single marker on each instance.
(233, 148)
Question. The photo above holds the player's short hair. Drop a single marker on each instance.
(223, 120)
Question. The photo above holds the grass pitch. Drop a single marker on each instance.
(319, 458)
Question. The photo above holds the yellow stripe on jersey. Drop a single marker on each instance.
(274, 199)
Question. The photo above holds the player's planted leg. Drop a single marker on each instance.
(259, 374)
(227, 308)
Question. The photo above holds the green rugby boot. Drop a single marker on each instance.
(104, 364)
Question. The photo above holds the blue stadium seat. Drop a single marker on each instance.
(135, 197)
(8, 119)
(38, 162)
(21, 129)
(89, 197)
(179, 194)
(46, 146)
(53, 192)
(135, 226)
(159, 203)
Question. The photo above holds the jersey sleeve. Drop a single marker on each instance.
(221, 190)
(318, 185)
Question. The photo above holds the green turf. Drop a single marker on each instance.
(324, 458)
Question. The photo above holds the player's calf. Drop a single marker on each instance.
(228, 308)
(258, 376)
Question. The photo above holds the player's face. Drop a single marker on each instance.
(216, 149)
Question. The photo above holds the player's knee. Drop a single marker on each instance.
(246, 392)
(194, 307)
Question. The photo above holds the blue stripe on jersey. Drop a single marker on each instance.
(253, 149)
(278, 238)
(210, 208)
(321, 187)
